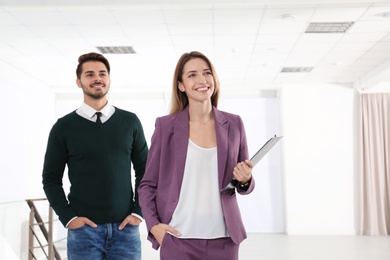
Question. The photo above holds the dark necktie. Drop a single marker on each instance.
(98, 120)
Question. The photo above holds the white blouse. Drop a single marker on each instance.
(199, 212)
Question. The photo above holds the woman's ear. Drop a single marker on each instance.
(180, 86)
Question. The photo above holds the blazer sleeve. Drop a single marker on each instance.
(243, 155)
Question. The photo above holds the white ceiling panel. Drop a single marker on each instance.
(285, 38)
(316, 38)
(136, 16)
(37, 16)
(318, 47)
(348, 47)
(370, 26)
(239, 15)
(237, 29)
(249, 41)
(364, 37)
(283, 27)
(342, 14)
(238, 41)
(381, 46)
(188, 16)
(386, 38)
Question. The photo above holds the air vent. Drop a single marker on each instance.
(328, 27)
(297, 69)
(116, 50)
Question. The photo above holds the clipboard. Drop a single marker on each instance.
(256, 159)
(264, 149)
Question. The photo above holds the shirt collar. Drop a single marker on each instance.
(90, 112)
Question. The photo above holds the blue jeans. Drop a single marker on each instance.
(105, 241)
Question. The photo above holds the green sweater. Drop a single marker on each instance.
(99, 162)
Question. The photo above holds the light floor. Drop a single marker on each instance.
(283, 247)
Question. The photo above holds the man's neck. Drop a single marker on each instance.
(96, 104)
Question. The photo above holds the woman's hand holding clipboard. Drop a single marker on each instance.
(255, 159)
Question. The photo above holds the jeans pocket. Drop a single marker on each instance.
(78, 228)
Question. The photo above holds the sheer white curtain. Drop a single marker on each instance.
(374, 160)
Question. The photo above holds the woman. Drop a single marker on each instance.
(194, 153)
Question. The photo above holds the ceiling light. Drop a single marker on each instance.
(297, 69)
(340, 27)
(287, 17)
(385, 14)
(337, 63)
(116, 49)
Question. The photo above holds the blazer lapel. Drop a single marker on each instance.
(180, 135)
(222, 132)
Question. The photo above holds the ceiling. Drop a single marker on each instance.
(249, 42)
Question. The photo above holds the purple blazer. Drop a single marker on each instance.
(160, 187)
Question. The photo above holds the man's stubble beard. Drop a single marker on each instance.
(97, 96)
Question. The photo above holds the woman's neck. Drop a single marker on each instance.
(202, 113)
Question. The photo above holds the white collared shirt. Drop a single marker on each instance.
(88, 112)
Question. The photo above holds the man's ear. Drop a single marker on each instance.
(78, 82)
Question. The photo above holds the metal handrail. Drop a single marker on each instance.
(36, 220)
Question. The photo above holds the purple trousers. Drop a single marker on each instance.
(174, 248)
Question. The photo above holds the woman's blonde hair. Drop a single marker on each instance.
(179, 99)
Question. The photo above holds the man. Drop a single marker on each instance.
(98, 143)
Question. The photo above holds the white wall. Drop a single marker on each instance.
(26, 117)
(27, 114)
(317, 124)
